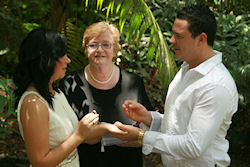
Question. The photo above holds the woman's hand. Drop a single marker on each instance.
(86, 125)
(137, 112)
(113, 129)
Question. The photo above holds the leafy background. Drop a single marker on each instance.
(145, 31)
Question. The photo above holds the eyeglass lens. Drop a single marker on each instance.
(96, 45)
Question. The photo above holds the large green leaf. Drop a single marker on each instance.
(74, 38)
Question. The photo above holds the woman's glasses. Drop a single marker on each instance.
(95, 46)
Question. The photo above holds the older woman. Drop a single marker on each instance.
(103, 86)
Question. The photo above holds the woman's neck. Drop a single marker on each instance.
(105, 84)
(31, 87)
(101, 74)
(52, 91)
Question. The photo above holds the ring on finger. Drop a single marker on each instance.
(94, 112)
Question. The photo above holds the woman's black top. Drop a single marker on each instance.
(84, 98)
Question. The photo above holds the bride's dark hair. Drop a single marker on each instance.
(38, 54)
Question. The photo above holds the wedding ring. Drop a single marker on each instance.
(94, 111)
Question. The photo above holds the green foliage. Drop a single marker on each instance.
(82, 16)
(7, 106)
(74, 50)
(17, 19)
(233, 40)
(165, 12)
(237, 6)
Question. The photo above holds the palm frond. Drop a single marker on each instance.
(74, 51)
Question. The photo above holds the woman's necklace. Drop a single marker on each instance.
(101, 82)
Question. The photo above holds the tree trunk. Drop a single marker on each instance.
(60, 11)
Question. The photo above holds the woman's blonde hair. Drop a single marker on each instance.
(98, 29)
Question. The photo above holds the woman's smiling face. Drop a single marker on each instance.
(100, 49)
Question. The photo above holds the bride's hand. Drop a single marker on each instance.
(86, 125)
(113, 129)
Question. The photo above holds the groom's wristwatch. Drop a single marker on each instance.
(140, 136)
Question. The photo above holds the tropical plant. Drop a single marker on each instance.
(233, 40)
(7, 106)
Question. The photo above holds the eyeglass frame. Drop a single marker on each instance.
(99, 44)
